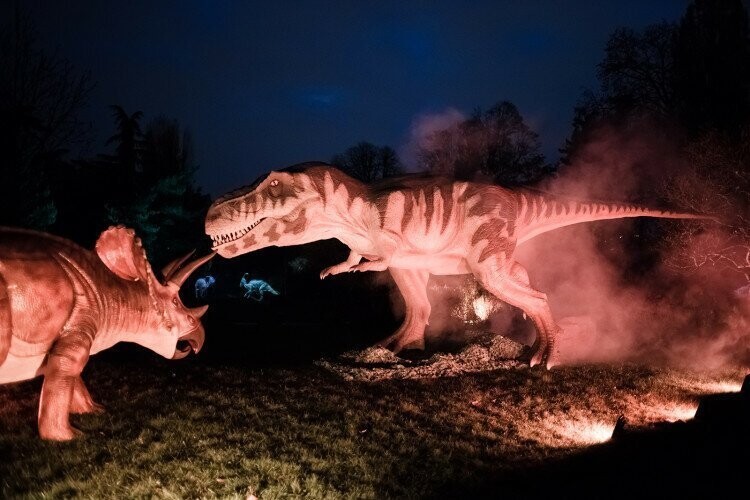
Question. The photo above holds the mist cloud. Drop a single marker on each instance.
(423, 126)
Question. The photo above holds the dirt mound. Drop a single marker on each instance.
(491, 352)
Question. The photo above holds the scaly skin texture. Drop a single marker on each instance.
(60, 303)
(413, 226)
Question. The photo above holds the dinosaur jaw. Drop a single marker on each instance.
(221, 239)
(190, 342)
(230, 238)
(261, 233)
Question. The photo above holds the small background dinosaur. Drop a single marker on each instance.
(256, 289)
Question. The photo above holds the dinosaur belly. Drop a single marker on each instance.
(25, 361)
(437, 264)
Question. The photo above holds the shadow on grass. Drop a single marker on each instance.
(222, 425)
(703, 458)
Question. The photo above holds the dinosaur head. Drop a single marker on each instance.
(169, 328)
(276, 210)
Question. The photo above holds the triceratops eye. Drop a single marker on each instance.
(175, 301)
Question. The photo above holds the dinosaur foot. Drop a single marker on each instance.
(543, 357)
(539, 354)
(87, 407)
(400, 342)
(82, 402)
(59, 434)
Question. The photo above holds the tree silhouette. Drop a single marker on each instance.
(690, 82)
(368, 163)
(166, 149)
(126, 164)
(712, 66)
(495, 145)
(637, 72)
(694, 76)
(717, 182)
(155, 191)
(41, 96)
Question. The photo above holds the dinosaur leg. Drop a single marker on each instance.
(6, 324)
(413, 287)
(64, 365)
(513, 288)
(81, 402)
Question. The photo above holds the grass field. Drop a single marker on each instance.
(227, 428)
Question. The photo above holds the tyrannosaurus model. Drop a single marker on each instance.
(413, 226)
(60, 303)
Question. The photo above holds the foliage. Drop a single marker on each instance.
(717, 182)
(638, 68)
(161, 201)
(712, 67)
(688, 83)
(368, 163)
(694, 75)
(496, 145)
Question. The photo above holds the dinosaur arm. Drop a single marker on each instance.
(387, 244)
(342, 267)
(372, 265)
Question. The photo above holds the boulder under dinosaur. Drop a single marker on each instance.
(60, 303)
(412, 226)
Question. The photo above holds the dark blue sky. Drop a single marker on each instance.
(267, 84)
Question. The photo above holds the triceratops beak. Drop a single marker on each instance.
(178, 277)
(190, 342)
(198, 312)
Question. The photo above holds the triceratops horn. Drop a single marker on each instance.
(173, 266)
(198, 312)
(179, 277)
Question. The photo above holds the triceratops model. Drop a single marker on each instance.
(412, 226)
(60, 303)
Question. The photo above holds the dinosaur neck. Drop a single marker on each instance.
(128, 314)
(345, 211)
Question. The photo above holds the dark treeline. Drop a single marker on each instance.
(682, 89)
(688, 82)
(146, 183)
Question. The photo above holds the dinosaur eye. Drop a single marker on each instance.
(274, 187)
(175, 301)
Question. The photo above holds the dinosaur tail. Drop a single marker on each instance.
(539, 213)
(6, 327)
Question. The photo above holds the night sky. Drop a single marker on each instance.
(267, 84)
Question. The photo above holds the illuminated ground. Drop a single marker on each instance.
(218, 428)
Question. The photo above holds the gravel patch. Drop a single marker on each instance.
(490, 352)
